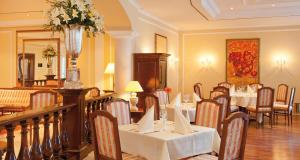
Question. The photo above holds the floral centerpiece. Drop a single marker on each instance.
(72, 17)
(48, 54)
(65, 13)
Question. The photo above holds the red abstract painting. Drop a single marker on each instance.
(242, 66)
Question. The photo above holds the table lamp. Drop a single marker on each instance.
(133, 87)
(110, 69)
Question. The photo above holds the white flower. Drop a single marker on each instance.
(74, 13)
(88, 2)
(65, 16)
(54, 13)
(56, 21)
(83, 17)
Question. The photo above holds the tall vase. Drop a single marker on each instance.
(49, 65)
(73, 41)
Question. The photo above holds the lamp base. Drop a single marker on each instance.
(133, 103)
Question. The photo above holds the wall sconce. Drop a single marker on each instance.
(281, 61)
(206, 61)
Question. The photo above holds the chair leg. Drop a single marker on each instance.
(271, 119)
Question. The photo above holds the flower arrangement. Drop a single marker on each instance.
(49, 52)
(65, 13)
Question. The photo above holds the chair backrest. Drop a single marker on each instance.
(265, 98)
(234, 136)
(256, 86)
(222, 89)
(163, 97)
(40, 99)
(225, 102)
(120, 109)
(152, 100)
(198, 90)
(225, 84)
(282, 93)
(291, 100)
(214, 94)
(106, 138)
(208, 114)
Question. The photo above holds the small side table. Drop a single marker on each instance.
(137, 115)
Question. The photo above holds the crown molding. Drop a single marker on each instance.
(211, 8)
(154, 19)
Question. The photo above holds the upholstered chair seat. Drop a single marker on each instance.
(280, 107)
(253, 109)
(127, 156)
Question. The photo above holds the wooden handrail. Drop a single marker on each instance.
(29, 114)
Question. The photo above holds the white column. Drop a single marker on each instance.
(124, 47)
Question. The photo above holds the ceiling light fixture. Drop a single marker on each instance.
(191, 1)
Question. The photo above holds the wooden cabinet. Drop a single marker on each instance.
(150, 69)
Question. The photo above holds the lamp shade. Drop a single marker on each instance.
(134, 86)
(110, 68)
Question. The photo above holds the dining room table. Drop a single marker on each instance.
(163, 143)
(244, 100)
(188, 110)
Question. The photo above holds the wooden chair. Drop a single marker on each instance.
(233, 141)
(120, 109)
(198, 90)
(214, 94)
(264, 103)
(256, 86)
(225, 84)
(222, 89)
(286, 110)
(225, 102)
(163, 97)
(152, 100)
(208, 114)
(282, 92)
(41, 99)
(106, 138)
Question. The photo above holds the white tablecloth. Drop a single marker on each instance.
(243, 99)
(187, 108)
(167, 145)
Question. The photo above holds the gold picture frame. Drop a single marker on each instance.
(161, 43)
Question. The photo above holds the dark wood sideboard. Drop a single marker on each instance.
(150, 69)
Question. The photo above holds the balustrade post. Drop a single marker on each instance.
(75, 120)
(64, 135)
(46, 145)
(24, 149)
(55, 137)
(36, 152)
(10, 153)
(88, 126)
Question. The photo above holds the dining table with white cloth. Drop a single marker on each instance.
(167, 144)
(245, 99)
(188, 110)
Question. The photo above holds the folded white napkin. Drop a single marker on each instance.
(196, 99)
(146, 124)
(176, 101)
(182, 125)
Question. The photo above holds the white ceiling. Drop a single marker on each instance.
(223, 14)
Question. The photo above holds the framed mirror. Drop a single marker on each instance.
(161, 43)
(41, 59)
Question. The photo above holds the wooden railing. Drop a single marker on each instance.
(71, 134)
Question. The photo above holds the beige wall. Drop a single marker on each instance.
(7, 63)
(273, 43)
